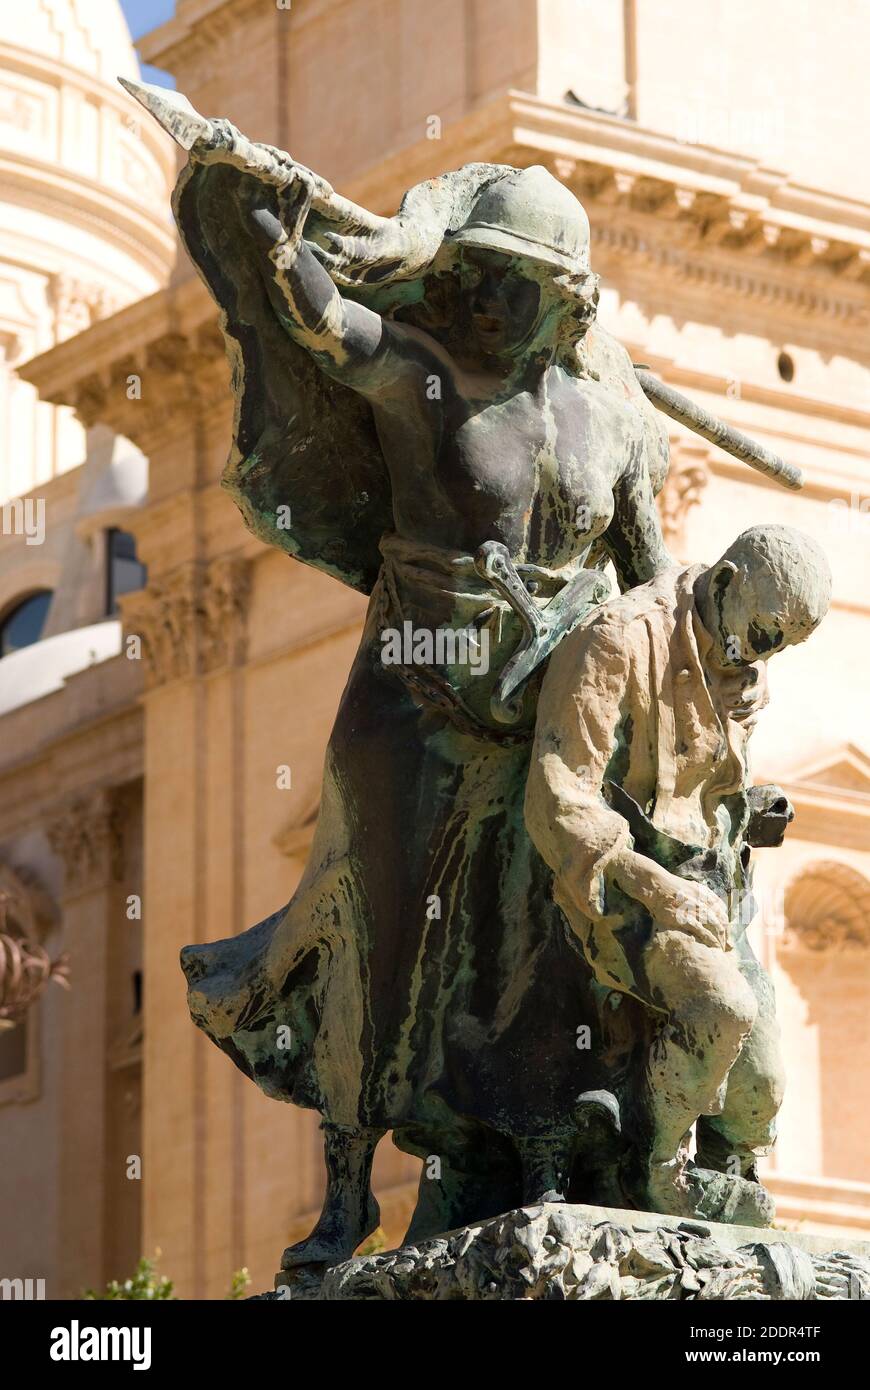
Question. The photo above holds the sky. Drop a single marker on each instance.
(142, 15)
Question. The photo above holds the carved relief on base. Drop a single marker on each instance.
(560, 1253)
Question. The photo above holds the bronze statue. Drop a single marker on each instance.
(428, 411)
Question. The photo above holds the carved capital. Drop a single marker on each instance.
(224, 613)
(86, 834)
(192, 620)
(687, 478)
(144, 392)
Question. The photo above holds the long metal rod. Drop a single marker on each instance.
(689, 413)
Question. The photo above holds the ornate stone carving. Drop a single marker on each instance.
(25, 967)
(171, 375)
(827, 909)
(773, 284)
(77, 304)
(21, 110)
(224, 610)
(163, 617)
(687, 478)
(86, 835)
(191, 620)
(568, 1253)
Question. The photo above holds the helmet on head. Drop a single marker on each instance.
(530, 213)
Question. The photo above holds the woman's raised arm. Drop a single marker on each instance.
(349, 342)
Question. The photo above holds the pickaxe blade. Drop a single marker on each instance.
(172, 110)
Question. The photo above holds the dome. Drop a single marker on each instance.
(85, 226)
(90, 35)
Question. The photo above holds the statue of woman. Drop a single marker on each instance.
(409, 390)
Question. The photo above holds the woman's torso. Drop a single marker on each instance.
(534, 469)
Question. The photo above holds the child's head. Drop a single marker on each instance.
(770, 590)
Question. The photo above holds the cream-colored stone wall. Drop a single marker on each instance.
(782, 82)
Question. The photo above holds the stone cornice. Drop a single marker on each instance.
(42, 67)
(170, 341)
(190, 34)
(619, 145)
(831, 798)
(777, 285)
(658, 208)
(692, 213)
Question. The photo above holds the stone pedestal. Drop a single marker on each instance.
(556, 1252)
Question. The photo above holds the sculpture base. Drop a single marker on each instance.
(557, 1252)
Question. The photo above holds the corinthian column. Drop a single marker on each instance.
(191, 619)
(85, 834)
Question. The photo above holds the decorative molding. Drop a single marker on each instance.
(831, 797)
(192, 620)
(653, 247)
(687, 477)
(26, 913)
(77, 304)
(181, 373)
(844, 771)
(225, 593)
(827, 909)
(86, 834)
(832, 1202)
(193, 47)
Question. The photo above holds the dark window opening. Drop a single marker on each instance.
(785, 366)
(124, 572)
(137, 991)
(23, 624)
(13, 1049)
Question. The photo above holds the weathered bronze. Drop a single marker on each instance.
(428, 410)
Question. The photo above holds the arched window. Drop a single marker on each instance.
(22, 625)
(824, 955)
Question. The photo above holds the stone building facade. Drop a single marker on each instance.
(719, 158)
